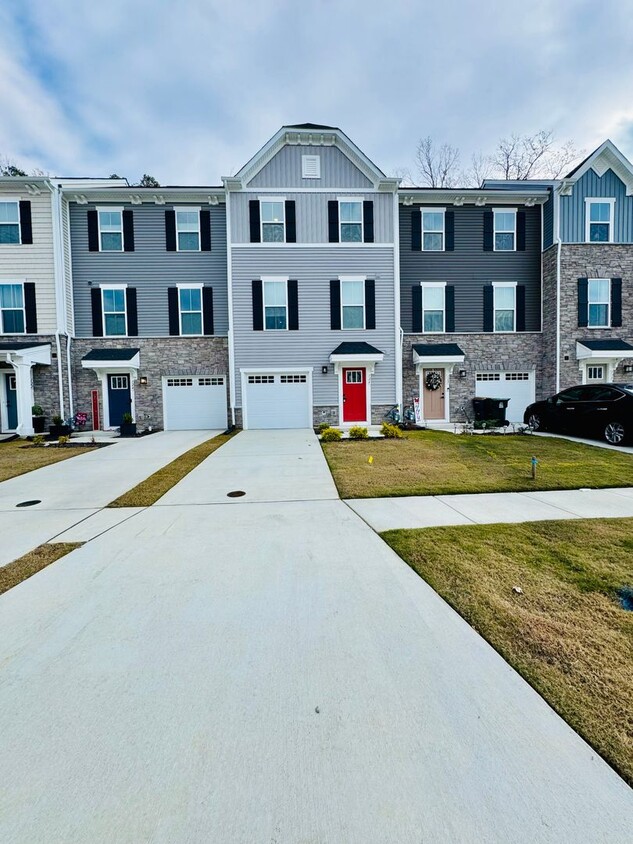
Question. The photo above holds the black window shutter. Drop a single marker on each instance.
(291, 222)
(370, 303)
(132, 313)
(293, 305)
(207, 309)
(520, 306)
(258, 305)
(97, 319)
(170, 229)
(332, 220)
(205, 230)
(335, 304)
(26, 227)
(449, 305)
(174, 314)
(416, 230)
(30, 309)
(489, 307)
(93, 236)
(368, 220)
(449, 231)
(520, 231)
(616, 302)
(128, 230)
(489, 227)
(253, 215)
(416, 309)
(583, 302)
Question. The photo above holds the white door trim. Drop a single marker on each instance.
(368, 373)
(103, 378)
(446, 378)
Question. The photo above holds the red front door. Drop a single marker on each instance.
(354, 395)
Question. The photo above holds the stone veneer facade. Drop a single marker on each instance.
(161, 356)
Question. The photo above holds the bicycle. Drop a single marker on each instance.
(403, 420)
(467, 427)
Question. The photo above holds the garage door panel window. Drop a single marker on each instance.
(275, 306)
(505, 308)
(190, 303)
(353, 304)
(599, 297)
(114, 313)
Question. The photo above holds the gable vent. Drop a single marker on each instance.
(311, 166)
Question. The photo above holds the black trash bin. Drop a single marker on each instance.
(490, 410)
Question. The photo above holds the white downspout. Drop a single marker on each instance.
(58, 275)
(558, 264)
(396, 300)
(229, 283)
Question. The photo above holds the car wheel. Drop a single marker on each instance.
(535, 422)
(614, 433)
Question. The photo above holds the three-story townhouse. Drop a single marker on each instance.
(312, 239)
(470, 293)
(150, 305)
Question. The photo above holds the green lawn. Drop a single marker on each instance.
(441, 463)
(567, 633)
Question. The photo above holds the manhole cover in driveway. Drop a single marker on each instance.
(237, 493)
(29, 503)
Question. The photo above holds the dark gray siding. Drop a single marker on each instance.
(469, 268)
(337, 171)
(150, 268)
(572, 208)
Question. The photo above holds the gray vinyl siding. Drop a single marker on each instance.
(548, 222)
(150, 269)
(469, 268)
(337, 171)
(311, 211)
(312, 344)
(572, 208)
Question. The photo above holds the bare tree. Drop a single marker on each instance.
(481, 168)
(437, 165)
(534, 156)
(404, 174)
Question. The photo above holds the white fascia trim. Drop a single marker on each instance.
(434, 284)
(187, 285)
(272, 198)
(10, 197)
(357, 359)
(119, 208)
(504, 283)
(583, 353)
(352, 278)
(114, 366)
(504, 210)
(107, 286)
(29, 355)
(274, 277)
(436, 360)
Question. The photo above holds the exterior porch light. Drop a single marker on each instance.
(143, 380)
(325, 369)
(462, 373)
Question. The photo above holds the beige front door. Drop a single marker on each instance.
(433, 400)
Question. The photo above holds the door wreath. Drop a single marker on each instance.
(433, 381)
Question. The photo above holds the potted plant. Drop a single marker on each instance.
(39, 420)
(128, 426)
(58, 429)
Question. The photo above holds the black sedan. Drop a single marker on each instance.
(590, 410)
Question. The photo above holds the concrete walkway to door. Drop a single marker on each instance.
(270, 671)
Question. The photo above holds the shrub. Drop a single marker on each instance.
(127, 419)
(63, 440)
(38, 439)
(391, 432)
(357, 432)
(57, 420)
(323, 427)
(37, 410)
(331, 435)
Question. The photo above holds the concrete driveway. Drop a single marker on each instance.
(270, 671)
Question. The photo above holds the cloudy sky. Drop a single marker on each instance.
(188, 90)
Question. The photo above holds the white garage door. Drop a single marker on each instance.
(194, 403)
(277, 400)
(516, 386)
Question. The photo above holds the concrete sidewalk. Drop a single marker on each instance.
(73, 491)
(425, 511)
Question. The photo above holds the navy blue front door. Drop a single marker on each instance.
(12, 402)
(119, 398)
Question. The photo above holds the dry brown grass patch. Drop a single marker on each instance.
(36, 560)
(18, 457)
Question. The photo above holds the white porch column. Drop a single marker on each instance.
(24, 389)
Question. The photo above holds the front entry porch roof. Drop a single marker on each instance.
(112, 360)
(614, 349)
(29, 353)
(356, 354)
(431, 353)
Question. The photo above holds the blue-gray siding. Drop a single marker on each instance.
(572, 208)
(312, 344)
(311, 211)
(469, 268)
(337, 171)
(150, 269)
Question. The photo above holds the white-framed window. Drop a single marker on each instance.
(110, 229)
(354, 376)
(433, 307)
(599, 302)
(119, 382)
(504, 307)
(275, 293)
(190, 308)
(433, 229)
(350, 220)
(10, 222)
(272, 214)
(595, 373)
(187, 229)
(12, 315)
(114, 311)
(353, 303)
(599, 220)
(505, 226)
(310, 166)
